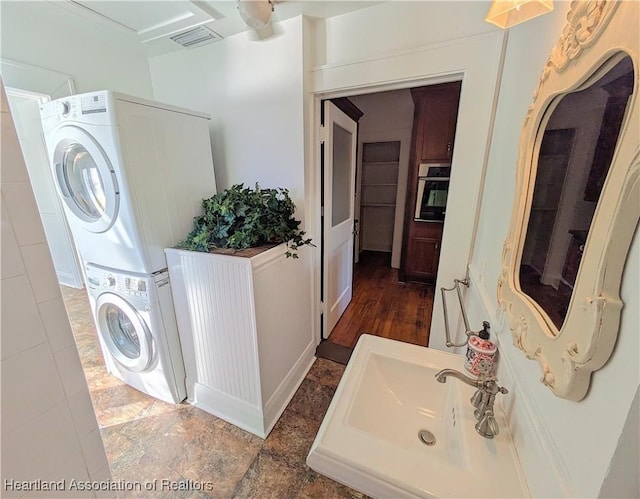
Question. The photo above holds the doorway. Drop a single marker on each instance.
(381, 304)
(25, 109)
(378, 168)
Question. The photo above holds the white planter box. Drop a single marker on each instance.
(245, 330)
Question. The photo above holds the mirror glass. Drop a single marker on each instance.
(576, 149)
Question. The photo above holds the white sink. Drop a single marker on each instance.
(369, 437)
(388, 392)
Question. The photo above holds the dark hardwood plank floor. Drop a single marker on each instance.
(382, 306)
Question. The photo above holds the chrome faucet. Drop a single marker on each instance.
(483, 399)
(442, 377)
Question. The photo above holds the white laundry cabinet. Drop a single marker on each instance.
(245, 330)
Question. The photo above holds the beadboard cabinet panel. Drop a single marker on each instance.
(244, 326)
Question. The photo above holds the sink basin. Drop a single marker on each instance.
(369, 439)
(388, 391)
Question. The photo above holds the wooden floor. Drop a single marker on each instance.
(382, 306)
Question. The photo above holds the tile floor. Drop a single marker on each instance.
(149, 440)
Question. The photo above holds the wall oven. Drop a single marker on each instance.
(433, 187)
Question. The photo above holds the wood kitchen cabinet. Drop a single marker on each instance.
(434, 127)
(437, 110)
(424, 248)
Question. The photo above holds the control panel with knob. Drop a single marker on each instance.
(109, 281)
(64, 108)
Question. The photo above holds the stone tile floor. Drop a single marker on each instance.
(147, 439)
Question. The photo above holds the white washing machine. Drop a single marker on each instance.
(137, 329)
(131, 173)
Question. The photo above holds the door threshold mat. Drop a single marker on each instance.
(334, 352)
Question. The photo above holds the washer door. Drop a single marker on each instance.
(85, 179)
(124, 332)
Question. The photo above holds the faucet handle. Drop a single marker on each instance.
(493, 424)
(491, 385)
(476, 400)
(488, 426)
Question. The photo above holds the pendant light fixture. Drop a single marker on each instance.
(508, 13)
(256, 13)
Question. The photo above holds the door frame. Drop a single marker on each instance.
(401, 190)
(39, 80)
(314, 182)
(28, 79)
(50, 84)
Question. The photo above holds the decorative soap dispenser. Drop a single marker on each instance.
(481, 353)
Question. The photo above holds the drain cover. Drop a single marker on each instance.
(426, 437)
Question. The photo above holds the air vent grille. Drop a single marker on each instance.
(194, 36)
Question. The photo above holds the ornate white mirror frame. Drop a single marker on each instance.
(596, 33)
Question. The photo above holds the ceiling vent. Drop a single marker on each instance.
(195, 36)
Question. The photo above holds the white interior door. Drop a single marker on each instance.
(340, 136)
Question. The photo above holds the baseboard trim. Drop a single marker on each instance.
(278, 402)
(231, 409)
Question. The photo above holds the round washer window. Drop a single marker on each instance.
(83, 179)
(122, 331)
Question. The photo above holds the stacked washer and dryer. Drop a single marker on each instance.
(131, 174)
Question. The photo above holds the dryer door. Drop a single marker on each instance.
(124, 332)
(85, 179)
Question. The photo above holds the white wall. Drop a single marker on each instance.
(49, 430)
(254, 93)
(566, 447)
(622, 479)
(47, 35)
(395, 27)
(388, 116)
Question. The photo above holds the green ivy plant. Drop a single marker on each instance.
(241, 217)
